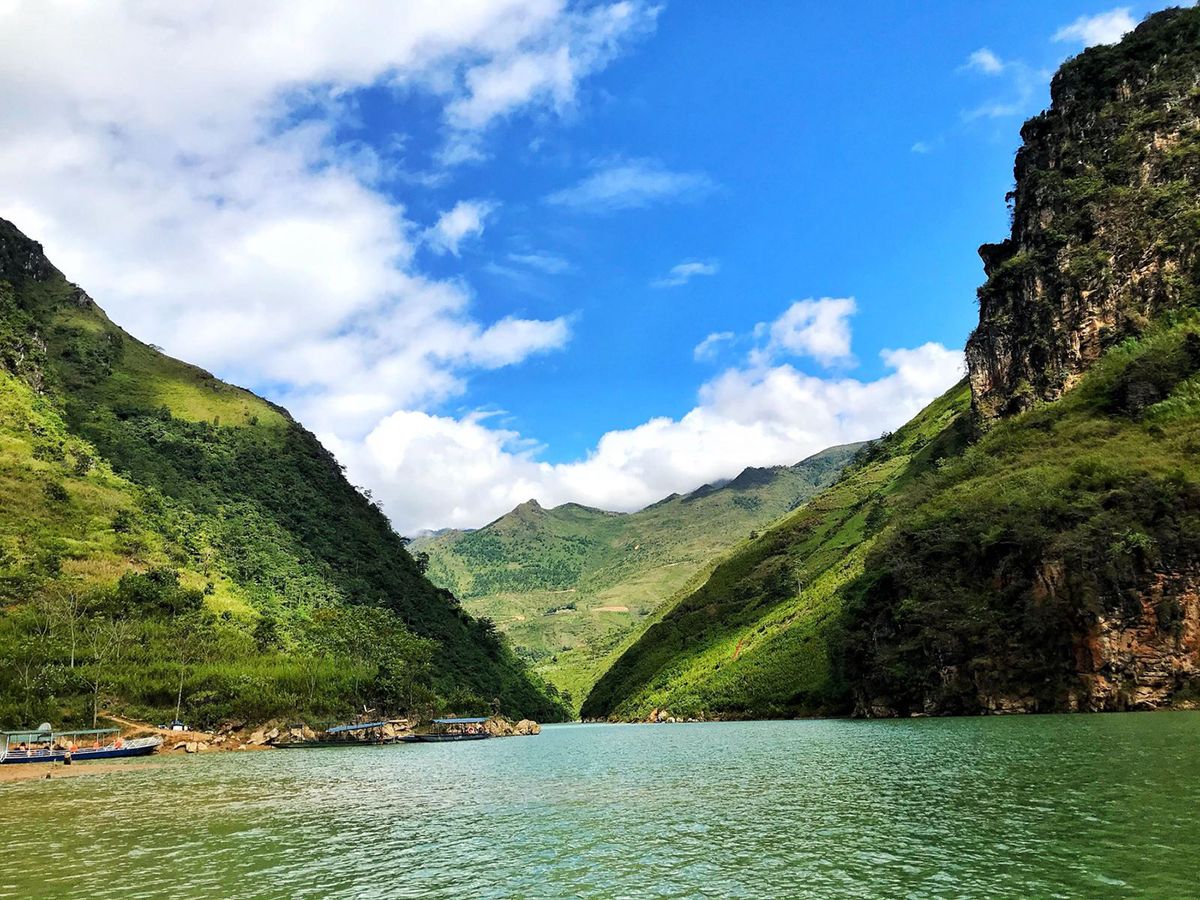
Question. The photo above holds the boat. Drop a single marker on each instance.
(47, 745)
(360, 734)
(452, 729)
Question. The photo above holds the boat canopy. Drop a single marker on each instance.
(342, 729)
(37, 737)
(476, 720)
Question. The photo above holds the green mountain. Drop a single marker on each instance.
(164, 533)
(1031, 541)
(572, 585)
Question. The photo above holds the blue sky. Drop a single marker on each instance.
(530, 248)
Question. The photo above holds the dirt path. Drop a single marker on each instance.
(131, 725)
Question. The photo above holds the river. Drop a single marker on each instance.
(1084, 806)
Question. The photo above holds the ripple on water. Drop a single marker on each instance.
(1032, 806)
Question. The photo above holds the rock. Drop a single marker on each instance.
(257, 737)
(498, 726)
(191, 747)
(271, 735)
(527, 727)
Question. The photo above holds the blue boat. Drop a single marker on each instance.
(47, 745)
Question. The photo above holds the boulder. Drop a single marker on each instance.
(498, 726)
(191, 747)
(527, 727)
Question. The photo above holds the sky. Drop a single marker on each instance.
(494, 250)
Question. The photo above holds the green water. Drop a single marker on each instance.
(1083, 806)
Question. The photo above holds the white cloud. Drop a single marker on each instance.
(436, 471)
(183, 162)
(631, 184)
(816, 328)
(921, 147)
(1102, 28)
(684, 272)
(550, 68)
(543, 262)
(709, 347)
(985, 61)
(465, 219)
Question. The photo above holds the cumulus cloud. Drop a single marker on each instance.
(985, 61)
(186, 163)
(684, 272)
(816, 328)
(465, 219)
(1102, 28)
(630, 184)
(437, 471)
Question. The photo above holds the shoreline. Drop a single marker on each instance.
(14, 773)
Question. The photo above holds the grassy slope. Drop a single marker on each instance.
(1000, 563)
(753, 640)
(163, 466)
(571, 586)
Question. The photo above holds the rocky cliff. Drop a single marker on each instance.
(1105, 217)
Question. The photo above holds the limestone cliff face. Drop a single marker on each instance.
(1142, 658)
(1106, 217)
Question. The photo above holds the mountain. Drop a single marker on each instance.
(157, 524)
(572, 584)
(1031, 541)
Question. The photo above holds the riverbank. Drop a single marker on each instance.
(241, 736)
(43, 771)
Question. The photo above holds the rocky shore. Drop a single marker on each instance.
(243, 737)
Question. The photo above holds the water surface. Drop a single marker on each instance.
(1072, 806)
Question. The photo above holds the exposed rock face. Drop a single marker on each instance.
(1106, 217)
(1138, 660)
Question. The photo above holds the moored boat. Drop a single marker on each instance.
(451, 729)
(47, 745)
(357, 734)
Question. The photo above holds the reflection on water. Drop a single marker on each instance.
(1030, 806)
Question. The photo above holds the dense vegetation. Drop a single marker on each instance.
(1051, 559)
(573, 586)
(166, 537)
(755, 639)
(986, 591)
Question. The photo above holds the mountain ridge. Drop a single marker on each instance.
(570, 583)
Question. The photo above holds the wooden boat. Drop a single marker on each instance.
(48, 745)
(360, 734)
(453, 729)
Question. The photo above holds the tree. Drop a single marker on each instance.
(106, 639)
(70, 608)
(192, 640)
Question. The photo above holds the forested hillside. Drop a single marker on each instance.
(571, 586)
(757, 638)
(1041, 551)
(159, 527)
